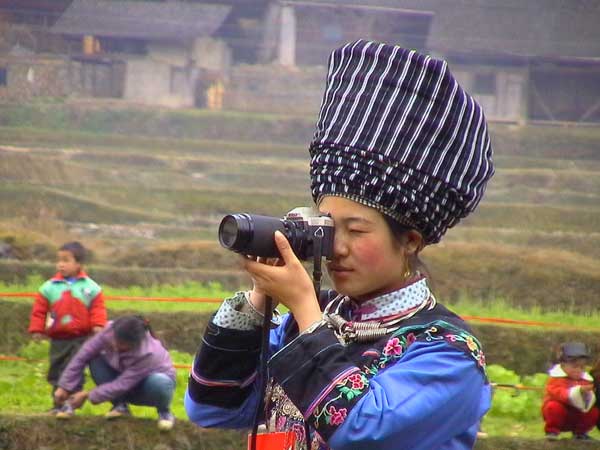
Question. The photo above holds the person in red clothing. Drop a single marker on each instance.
(569, 399)
(67, 309)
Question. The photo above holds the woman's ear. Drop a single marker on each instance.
(414, 242)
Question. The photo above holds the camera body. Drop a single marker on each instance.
(306, 229)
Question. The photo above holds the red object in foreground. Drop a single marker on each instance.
(284, 440)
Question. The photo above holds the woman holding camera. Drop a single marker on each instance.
(401, 153)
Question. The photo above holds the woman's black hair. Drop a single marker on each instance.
(398, 230)
(131, 329)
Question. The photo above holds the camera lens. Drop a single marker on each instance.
(250, 234)
(235, 231)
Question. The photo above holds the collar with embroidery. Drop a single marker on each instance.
(376, 317)
(397, 303)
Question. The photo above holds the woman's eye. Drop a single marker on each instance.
(355, 231)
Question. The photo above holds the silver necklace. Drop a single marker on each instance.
(369, 330)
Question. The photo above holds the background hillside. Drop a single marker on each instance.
(146, 188)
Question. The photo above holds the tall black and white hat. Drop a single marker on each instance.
(396, 132)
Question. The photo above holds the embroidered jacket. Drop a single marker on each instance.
(422, 386)
(561, 388)
(75, 308)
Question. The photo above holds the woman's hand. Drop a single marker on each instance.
(287, 283)
(60, 395)
(78, 399)
(257, 297)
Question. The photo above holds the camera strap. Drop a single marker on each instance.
(271, 440)
(317, 259)
(264, 352)
(262, 370)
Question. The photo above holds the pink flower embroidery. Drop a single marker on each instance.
(299, 432)
(357, 381)
(451, 337)
(393, 347)
(481, 359)
(410, 338)
(337, 416)
(280, 425)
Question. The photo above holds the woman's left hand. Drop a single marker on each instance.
(78, 399)
(288, 284)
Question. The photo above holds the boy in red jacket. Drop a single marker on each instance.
(569, 398)
(67, 309)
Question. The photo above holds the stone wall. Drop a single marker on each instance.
(31, 77)
(28, 77)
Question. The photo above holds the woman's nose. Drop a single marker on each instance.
(340, 248)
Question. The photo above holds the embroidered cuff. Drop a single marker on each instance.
(319, 379)
(238, 313)
(230, 315)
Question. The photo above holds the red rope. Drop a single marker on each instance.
(498, 320)
(129, 298)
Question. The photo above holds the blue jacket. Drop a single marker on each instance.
(422, 387)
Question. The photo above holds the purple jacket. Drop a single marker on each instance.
(134, 365)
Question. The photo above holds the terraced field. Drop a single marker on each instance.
(136, 184)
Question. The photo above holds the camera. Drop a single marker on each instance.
(307, 230)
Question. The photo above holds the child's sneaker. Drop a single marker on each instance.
(166, 420)
(52, 411)
(119, 410)
(583, 437)
(65, 412)
(552, 436)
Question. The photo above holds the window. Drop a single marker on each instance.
(3, 76)
(484, 84)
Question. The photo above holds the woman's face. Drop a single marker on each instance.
(367, 261)
(120, 346)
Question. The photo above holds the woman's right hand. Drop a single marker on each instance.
(60, 396)
(257, 297)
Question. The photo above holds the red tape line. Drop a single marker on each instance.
(497, 320)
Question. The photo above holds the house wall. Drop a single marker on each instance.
(169, 74)
(319, 30)
(96, 77)
(501, 91)
(160, 78)
(274, 88)
(565, 93)
(211, 54)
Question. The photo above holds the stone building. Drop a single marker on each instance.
(145, 52)
(524, 60)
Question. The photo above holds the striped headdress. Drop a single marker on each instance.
(396, 132)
